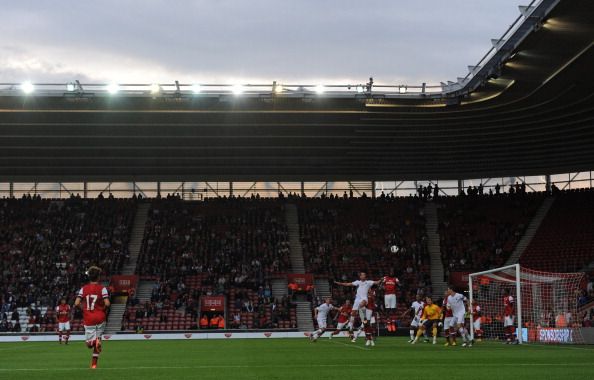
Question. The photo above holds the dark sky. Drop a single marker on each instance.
(224, 41)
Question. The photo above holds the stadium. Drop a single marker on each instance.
(288, 230)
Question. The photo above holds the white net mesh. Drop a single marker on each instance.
(548, 305)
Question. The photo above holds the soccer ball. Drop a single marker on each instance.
(394, 249)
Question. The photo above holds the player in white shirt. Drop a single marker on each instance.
(321, 315)
(457, 303)
(363, 285)
(416, 308)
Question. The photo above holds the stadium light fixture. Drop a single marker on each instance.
(27, 87)
(360, 89)
(320, 89)
(112, 88)
(402, 89)
(70, 87)
(196, 88)
(278, 88)
(155, 88)
(237, 89)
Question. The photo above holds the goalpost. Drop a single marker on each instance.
(545, 304)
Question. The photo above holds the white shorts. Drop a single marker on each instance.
(458, 319)
(390, 301)
(508, 321)
(477, 324)
(94, 332)
(447, 323)
(415, 322)
(342, 325)
(64, 326)
(322, 323)
(366, 314)
(357, 303)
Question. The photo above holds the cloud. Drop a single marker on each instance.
(258, 40)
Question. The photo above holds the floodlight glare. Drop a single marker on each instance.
(402, 89)
(155, 88)
(278, 88)
(320, 89)
(359, 89)
(113, 88)
(27, 87)
(196, 88)
(237, 89)
(70, 87)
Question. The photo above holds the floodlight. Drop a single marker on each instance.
(360, 89)
(320, 89)
(237, 89)
(112, 88)
(196, 88)
(155, 88)
(402, 89)
(70, 87)
(27, 87)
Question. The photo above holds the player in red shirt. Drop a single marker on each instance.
(476, 320)
(344, 314)
(390, 286)
(94, 299)
(508, 317)
(449, 328)
(368, 324)
(63, 320)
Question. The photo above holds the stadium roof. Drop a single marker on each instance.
(531, 113)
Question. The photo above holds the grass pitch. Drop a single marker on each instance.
(391, 358)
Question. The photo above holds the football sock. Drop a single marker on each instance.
(463, 333)
(96, 352)
(362, 313)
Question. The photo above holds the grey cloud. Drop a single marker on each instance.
(404, 41)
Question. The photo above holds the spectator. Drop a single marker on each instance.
(204, 322)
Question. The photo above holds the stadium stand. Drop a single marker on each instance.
(45, 246)
(235, 247)
(479, 232)
(565, 240)
(342, 236)
(223, 246)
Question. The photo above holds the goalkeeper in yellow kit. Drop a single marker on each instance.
(431, 317)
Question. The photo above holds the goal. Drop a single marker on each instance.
(544, 305)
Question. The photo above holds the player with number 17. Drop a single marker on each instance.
(94, 299)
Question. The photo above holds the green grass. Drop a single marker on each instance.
(392, 358)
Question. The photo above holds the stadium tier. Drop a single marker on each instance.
(478, 232)
(343, 236)
(238, 248)
(243, 238)
(45, 247)
(565, 240)
(228, 247)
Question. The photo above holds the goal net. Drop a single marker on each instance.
(523, 305)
